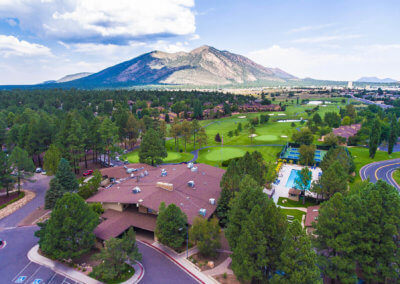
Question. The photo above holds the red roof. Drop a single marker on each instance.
(347, 131)
(189, 199)
(311, 216)
(116, 223)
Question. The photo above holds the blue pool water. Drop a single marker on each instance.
(291, 180)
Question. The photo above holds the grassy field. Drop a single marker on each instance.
(173, 157)
(396, 176)
(215, 156)
(272, 132)
(297, 214)
(361, 158)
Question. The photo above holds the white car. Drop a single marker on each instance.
(38, 170)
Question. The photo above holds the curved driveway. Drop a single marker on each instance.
(14, 262)
(382, 170)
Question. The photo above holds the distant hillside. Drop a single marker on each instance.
(72, 77)
(376, 80)
(203, 66)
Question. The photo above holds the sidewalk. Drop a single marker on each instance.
(75, 275)
(34, 256)
(180, 260)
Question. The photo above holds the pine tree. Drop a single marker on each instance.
(392, 134)
(69, 231)
(171, 225)
(66, 177)
(52, 158)
(114, 256)
(152, 149)
(5, 172)
(255, 231)
(334, 231)
(206, 234)
(54, 193)
(22, 164)
(298, 259)
(374, 137)
(333, 180)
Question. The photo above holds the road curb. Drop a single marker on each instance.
(176, 262)
(59, 268)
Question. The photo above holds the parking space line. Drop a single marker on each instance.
(23, 269)
(51, 279)
(27, 280)
(64, 280)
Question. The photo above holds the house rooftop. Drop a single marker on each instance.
(189, 198)
(312, 215)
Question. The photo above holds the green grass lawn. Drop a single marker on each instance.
(215, 156)
(396, 176)
(173, 157)
(292, 203)
(361, 158)
(297, 214)
(272, 132)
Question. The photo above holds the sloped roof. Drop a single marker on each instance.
(190, 200)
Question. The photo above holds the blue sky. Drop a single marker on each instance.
(338, 40)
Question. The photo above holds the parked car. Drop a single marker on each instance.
(87, 173)
(126, 162)
(38, 170)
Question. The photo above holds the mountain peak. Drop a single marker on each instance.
(203, 66)
(201, 49)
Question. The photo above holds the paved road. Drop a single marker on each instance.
(40, 187)
(382, 170)
(14, 263)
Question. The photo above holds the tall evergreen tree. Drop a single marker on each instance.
(298, 260)
(5, 172)
(171, 226)
(393, 133)
(66, 177)
(152, 149)
(69, 231)
(52, 158)
(333, 180)
(374, 137)
(22, 164)
(255, 231)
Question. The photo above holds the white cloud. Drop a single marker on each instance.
(320, 39)
(102, 20)
(344, 64)
(169, 47)
(310, 28)
(12, 46)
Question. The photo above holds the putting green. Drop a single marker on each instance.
(218, 154)
(266, 138)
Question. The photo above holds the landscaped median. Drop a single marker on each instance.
(69, 272)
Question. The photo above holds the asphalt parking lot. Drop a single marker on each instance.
(15, 267)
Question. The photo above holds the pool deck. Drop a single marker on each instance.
(281, 190)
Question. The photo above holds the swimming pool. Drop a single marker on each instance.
(291, 182)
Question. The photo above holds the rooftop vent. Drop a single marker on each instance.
(136, 190)
(191, 183)
(146, 173)
(166, 186)
(203, 212)
(212, 201)
(190, 165)
(194, 169)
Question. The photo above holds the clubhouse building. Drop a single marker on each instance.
(131, 195)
